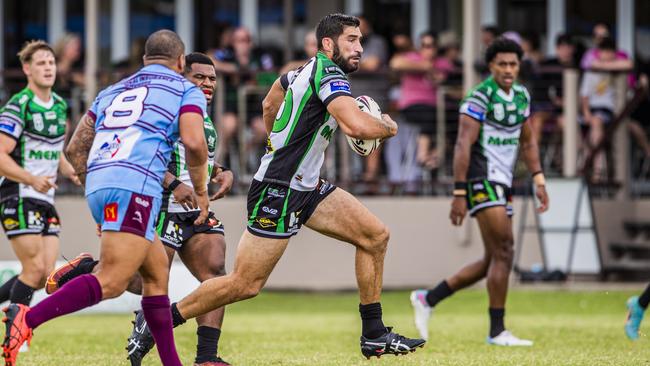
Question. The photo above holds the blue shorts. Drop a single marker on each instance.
(125, 211)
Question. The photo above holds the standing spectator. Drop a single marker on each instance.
(69, 68)
(375, 49)
(488, 34)
(240, 66)
(598, 98)
(548, 95)
(421, 72)
(591, 60)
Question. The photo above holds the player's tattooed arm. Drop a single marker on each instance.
(271, 105)
(358, 124)
(79, 146)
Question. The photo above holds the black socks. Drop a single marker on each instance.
(371, 324)
(496, 321)
(5, 289)
(21, 293)
(644, 299)
(208, 344)
(177, 318)
(439, 293)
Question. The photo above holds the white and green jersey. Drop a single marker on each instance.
(501, 116)
(178, 167)
(303, 128)
(39, 130)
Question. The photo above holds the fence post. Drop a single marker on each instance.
(621, 147)
(570, 103)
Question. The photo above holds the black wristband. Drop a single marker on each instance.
(175, 183)
(460, 185)
(537, 172)
(224, 168)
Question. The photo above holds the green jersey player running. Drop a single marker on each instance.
(493, 128)
(32, 133)
(301, 112)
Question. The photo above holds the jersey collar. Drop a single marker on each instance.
(39, 101)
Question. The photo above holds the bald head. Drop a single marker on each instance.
(163, 45)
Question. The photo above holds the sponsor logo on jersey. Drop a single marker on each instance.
(270, 210)
(331, 70)
(43, 155)
(499, 112)
(110, 212)
(266, 222)
(477, 186)
(141, 202)
(503, 141)
(327, 132)
(339, 86)
(23, 99)
(9, 211)
(10, 224)
(8, 126)
(211, 141)
(37, 118)
(500, 191)
(52, 130)
(109, 148)
(50, 115)
(137, 216)
(294, 219)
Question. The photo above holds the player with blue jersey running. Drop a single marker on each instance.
(122, 147)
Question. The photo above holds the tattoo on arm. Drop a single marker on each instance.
(80, 144)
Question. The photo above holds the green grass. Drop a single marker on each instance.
(569, 328)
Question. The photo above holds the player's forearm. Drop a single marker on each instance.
(461, 161)
(199, 176)
(11, 170)
(369, 127)
(530, 154)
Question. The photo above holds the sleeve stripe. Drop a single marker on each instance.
(481, 95)
(477, 102)
(327, 79)
(331, 97)
(11, 117)
(190, 108)
(92, 115)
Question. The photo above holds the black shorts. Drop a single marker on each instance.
(22, 216)
(483, 194)
(276, 211)
(176, 228)
(423, 116)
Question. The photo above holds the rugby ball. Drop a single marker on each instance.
(366, 147)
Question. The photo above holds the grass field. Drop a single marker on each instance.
(569, 328)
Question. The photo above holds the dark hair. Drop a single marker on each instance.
(331, 26)
(491, 29)
(533, 39)
(163, 44)
(196, 58)
(502, 45)
(607, 44)
(563, 38)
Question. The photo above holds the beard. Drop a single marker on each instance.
(342, 62)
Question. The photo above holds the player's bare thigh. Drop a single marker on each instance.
(341, 216)
(205, 255)
(496, 228)
(29, 250)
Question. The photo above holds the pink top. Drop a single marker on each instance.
(418, 88)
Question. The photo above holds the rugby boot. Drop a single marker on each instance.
(389, 343)
(16, 333)
(141, 341)
(508, 339)
(634, 317)
(421, 312)
(67, 272)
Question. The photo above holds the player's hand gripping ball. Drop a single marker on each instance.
(366, 147)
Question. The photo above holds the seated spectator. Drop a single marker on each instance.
(421, 72)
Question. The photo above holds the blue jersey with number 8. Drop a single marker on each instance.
(136, 125)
